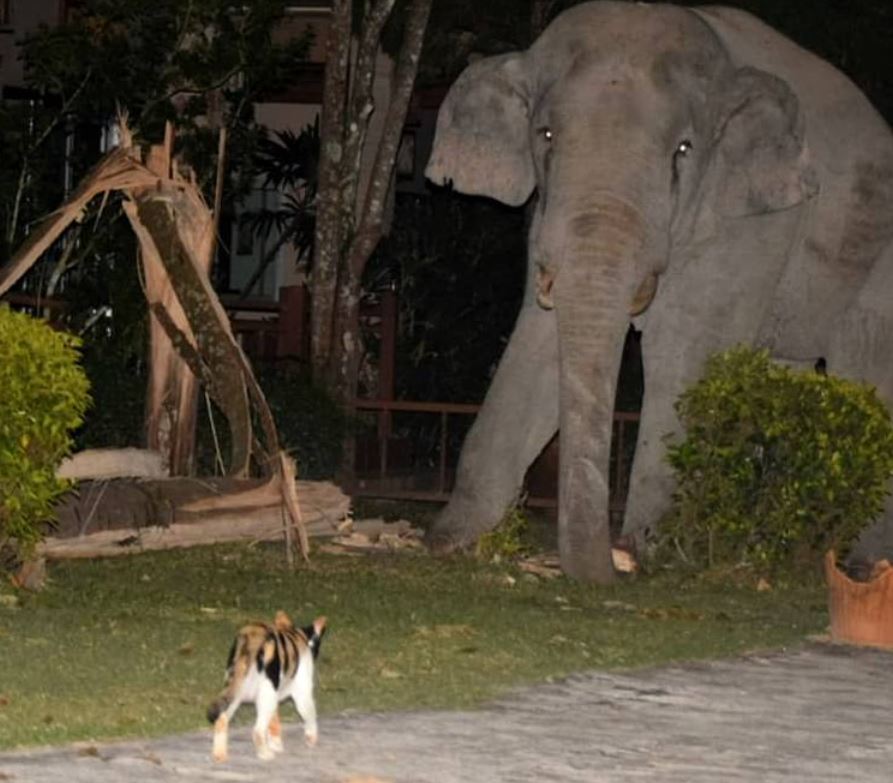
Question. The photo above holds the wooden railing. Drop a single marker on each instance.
(384, 482)
(38, 306)
(375, 486)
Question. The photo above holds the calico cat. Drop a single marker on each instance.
(268, 663)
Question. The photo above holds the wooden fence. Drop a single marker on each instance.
(379, 474)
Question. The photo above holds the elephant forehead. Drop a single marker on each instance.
(664, 41)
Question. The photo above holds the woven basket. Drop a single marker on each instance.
(861, 612)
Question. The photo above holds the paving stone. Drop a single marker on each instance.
(822, 713)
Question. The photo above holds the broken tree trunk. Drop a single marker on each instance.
(191, 333)
(153, 216)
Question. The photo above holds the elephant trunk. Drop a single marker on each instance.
(593, 295)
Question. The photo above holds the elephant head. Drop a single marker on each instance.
(626, 121)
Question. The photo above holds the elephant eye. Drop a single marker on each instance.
(546, 133)
(682, 151)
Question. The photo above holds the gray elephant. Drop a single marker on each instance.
(695, 172)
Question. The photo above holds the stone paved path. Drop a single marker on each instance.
(821, 714)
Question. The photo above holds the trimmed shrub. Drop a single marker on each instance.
(776, 464)
(43, 396)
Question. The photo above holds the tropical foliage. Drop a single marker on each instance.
(287, 162)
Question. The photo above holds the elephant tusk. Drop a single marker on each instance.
(643, 296)
(544, 280)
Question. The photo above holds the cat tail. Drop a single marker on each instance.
(234, 676)
(218, 707)
(225, 699)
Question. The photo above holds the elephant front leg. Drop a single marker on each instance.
(518, 418)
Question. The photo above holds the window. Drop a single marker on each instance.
(406, 156)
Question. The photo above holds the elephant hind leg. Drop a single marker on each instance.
(861, 348)
(518, 418)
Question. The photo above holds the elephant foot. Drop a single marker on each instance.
(460, 524)
(441, 542)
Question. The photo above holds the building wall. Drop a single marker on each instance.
(24, 16)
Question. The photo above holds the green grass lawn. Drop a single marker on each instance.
(135, 646)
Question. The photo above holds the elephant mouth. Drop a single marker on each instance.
(544, 280)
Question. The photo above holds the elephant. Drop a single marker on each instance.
(692, 172)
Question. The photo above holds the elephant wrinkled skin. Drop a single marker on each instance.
(691, 158)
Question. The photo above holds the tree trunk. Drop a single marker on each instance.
(329, 239)
(350, 223)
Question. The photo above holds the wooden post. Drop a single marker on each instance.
(388, 359)
(294, 315)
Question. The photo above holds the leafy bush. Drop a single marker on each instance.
(43, 396)
(507, 540)
(776, 464)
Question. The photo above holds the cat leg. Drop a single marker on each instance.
(275, 734)
(266, 704)
(220, 750)
(302, 694)
(221, 726)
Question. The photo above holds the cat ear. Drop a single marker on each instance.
(319, 626)
(282, 622)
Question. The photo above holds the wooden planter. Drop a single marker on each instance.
(861, 612)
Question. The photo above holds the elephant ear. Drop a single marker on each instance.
(481, 144)
(761, 163)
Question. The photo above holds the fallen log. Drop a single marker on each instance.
(106, 518)
(261, 525)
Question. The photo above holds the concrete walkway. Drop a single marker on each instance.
(820, 714)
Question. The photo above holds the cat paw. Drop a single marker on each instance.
(265, 753)
(311, 739)
(219, 756)
(275, 744)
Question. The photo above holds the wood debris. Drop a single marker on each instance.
(374, 535)
(548, 565)
(545, 566)
(31, 575)
(624, 560)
